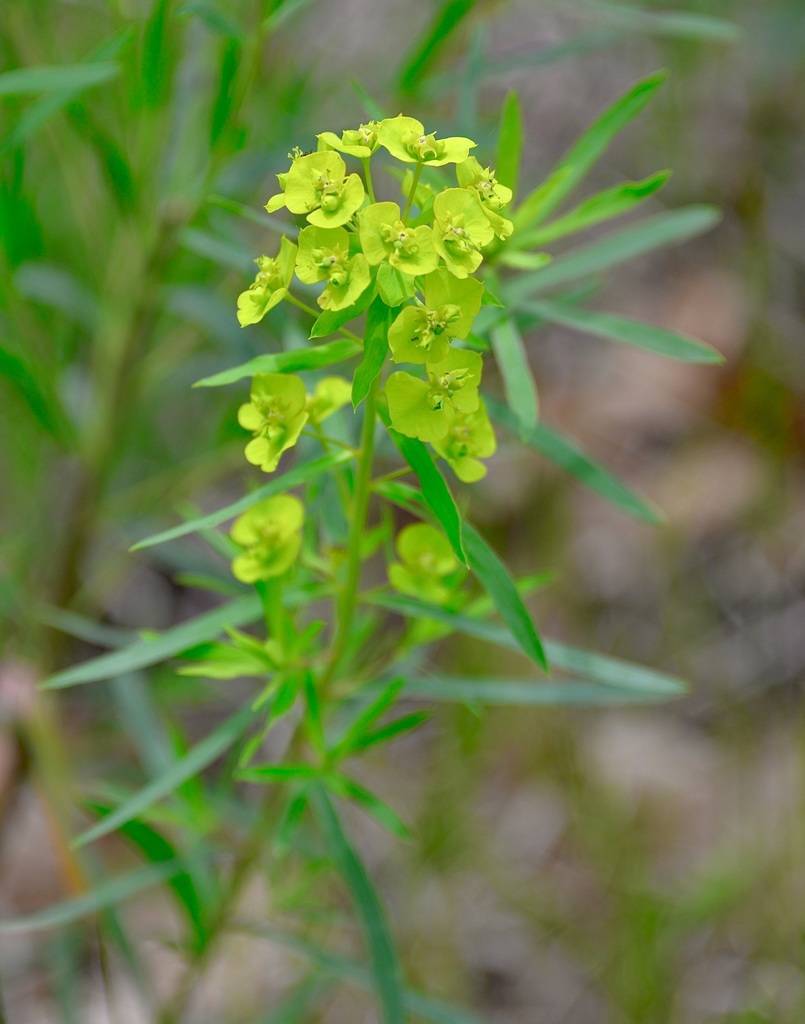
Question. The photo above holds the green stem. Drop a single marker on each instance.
(357, 528)
(317, 313)
(367, 170)
(412, 193)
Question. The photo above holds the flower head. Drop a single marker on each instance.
(405, 138)
(360, 142)
(331, 394)
(422, 333)
(427, 569)
(493, 196)
(469, 438)
(270, 534)
(277, 202)
(324, 256)
(318, 185)
(275, 415)
(270, 286)
(423, 408)
(386, 237)
(460, 230)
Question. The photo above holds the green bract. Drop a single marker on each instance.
(324, 256)
(331, 394)
(317, 185)
(405, 138)
(275, 415)
(469, 438)
(360, 142)
(423, 409)
(270, 533)
(492, 194)
(385, 237)
(277, 202)
(270, 285)
(422, 333)
(427, 569)
(460, 230)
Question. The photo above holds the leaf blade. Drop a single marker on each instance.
(518, 380)
(299, 360)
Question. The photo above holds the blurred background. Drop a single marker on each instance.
(640, 866)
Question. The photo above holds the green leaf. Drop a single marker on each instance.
(375, 350)
(673, 24)
(394, 288)
(106, 894)
(495, 578)
(37, 394)
(573, 167)
(518, 380)
(651, 233)
(385, 965)
(186, 767)
(521, 692)
(315, 358)
(510, 142)
(370, 714)
(630, 332)
(56, 78)
(332, 319)
(611, 672)
(423, 53)
(373, 805)
(279, 773)
(288, 481)
(161, 646)
(567, 454)
(435, 491)
(612, 202)
(217, 250)
(389, 732)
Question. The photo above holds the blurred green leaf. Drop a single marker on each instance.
(612, 202)
(297, 360)
(159, 647)
(279, 485)
(372, 804)
(676, 24)
(389, 732)
(187, 767)
(585, 152)
(518, 380)
(218, 250)
(358, 727)
(510, 142)
(435, 37)
(630, 332)
(36, 394)
(56, 78)
(375, 350)
(567, 454)
(385, 965)
(495, 578)
(522, 692)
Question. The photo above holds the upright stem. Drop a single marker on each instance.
(412, 193)
(357, 528)
(367, 171)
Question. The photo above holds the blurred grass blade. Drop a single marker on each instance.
(597, 668)
(649, 234)
(315, 358)
(495, 578)
(630, 332)
(375, 350)
(187, 767)
(510, 142)
(674, 24)
(385, 965)
(293, 478)
(518, 380)
(612, 202)
(56, 78)
(141, 722)
(434, 490)
(37, 395)
(523, 692)
(435, 37)
(218, 250)
(107, 894)
(161, 646)
(567, 454)
(373, 805)
(576, 163)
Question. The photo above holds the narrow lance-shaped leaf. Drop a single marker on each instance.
(631, 332)
(165, 645)
(375, 350)
(612, 202)
(385, 965)
(495, 578)
(568, 454)
(187, 767)
(522, 692)
(56, 78)
(293, 478)
(315, 358)
(510, 142)
(518, 380)
(573, 167)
